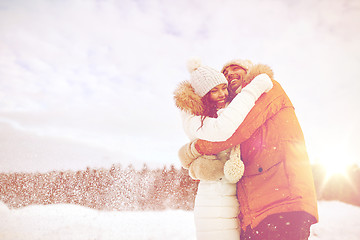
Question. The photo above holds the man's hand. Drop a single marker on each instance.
(188, 154)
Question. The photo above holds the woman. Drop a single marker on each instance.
(202, 101)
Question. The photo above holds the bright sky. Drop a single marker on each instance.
(103, 72)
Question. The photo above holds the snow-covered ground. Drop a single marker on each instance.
(337, 221)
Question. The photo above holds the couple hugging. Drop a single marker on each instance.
(248, 152)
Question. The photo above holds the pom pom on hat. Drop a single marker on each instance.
(234, 167)
(193, 64)
(203, 78)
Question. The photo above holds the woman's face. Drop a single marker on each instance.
(219, 95)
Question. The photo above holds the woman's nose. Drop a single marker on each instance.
(222, 93)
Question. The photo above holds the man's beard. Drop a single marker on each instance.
(238, 90)
(235, 88)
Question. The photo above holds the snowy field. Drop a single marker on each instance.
(53, 222)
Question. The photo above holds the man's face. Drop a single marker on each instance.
(235, 76)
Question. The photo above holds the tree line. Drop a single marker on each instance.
(117, 188)
(130, 189)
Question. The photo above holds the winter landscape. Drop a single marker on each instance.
(87, 85)
(62, 222)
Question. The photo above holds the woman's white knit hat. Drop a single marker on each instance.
(246, 64)
(204, 78)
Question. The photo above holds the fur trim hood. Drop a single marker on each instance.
(257, 70)
(187, 100)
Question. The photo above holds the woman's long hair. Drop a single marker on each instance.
(210, 109)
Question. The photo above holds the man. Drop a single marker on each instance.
(235, 72)
(276, 194)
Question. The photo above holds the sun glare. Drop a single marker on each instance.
(336, 163)
(335, 167)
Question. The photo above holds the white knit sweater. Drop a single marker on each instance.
(223, 127)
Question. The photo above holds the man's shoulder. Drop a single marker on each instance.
(273, 100)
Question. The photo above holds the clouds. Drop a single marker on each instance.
(110, 67)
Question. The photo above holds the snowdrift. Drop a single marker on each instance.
(62, 222)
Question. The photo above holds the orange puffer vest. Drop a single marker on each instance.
(278, 175)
